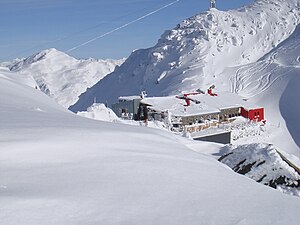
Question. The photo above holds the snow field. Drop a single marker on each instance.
(57, 167)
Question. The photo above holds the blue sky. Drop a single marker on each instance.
(29, 26)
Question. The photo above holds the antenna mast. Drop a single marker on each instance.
(213, 4)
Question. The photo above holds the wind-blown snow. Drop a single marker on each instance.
(59, 168)
(61, 76)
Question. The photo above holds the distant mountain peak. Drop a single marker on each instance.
(48, 51)
(61, 76)
(50, 54)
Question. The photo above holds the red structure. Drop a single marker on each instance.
(253, 114)
(186, 98)
(210, 91)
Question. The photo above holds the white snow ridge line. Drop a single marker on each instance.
(123, 26)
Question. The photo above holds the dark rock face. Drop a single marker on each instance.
(264, 164)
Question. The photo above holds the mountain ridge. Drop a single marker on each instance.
(61, 76)
(236, 50)
(196, 51)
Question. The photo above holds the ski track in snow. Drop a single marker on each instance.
(247, 80)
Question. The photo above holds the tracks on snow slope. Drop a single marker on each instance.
(254, 79)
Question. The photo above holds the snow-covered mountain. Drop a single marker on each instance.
(273, 82)
(59, 168)
(8, 63)
(253, 51)
(61, 76)
(195, 53)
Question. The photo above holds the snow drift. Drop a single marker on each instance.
(59, 168)
(99, 111)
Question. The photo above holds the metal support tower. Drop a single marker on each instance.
(213, 4)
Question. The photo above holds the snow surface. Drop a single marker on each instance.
(59, 168)
(61, 76)
(177, 106)
(262, 163)
(200, 104)
(253, 51)
(99, 111)
(273, 82)
(22, 79)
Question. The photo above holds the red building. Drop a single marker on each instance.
(256, 114)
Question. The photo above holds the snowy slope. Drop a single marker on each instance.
(273, 82)
(19, 78)
(252, 51)
(196, 52)
(59, 168)
(8, 63)
(61, 76)
(263, 163)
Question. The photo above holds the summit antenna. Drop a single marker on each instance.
(213, 4)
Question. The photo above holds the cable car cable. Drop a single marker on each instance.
(123, 26)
